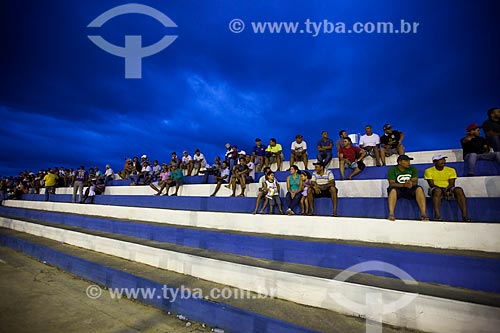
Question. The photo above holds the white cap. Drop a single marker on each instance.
(242, 152)
(438, 157)
(144, 156)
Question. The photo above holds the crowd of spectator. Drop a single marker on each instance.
(238, 167)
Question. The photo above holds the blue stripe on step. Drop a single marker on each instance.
(214, 314)
(458, 271)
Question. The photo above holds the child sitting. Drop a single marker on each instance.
(273, 194)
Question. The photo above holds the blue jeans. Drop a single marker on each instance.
(292, 203)
(470, 160)
(494, 142)
(324, 157)
(48, 190)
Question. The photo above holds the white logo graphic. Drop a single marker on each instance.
(373, 308)
(133, 52)
(403, 178)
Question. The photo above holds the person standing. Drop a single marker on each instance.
(79, 180)
(50, 181)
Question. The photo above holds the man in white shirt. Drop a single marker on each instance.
(370, 143)
(108, 174)
(299, 151)
(322, 186)
(251, 168)
(199, 161)
(222, 179)
(187, 163)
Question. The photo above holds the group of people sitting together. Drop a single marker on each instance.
(239, 167)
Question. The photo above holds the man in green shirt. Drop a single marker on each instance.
(403, 183)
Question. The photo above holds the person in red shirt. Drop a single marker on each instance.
(352, 157)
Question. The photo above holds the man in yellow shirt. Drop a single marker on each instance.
(50, 181)
(441, 180)
(274, 153)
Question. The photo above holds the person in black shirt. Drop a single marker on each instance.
(476, 148)
(391, 143)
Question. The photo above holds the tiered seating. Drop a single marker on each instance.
(456, 266)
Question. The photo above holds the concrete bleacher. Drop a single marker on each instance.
(457, 265)
(299, 259)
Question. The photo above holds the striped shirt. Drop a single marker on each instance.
(322, 179)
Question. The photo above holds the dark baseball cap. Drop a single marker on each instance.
(387, 126)
(472, 127)
(404, 158)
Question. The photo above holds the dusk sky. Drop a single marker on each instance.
(66, 102)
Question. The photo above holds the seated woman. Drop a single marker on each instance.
(294, 186)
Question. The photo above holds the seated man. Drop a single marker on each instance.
(322, 186)
(299, 151)
(199, 161)
(156, 171)
(240, 176)
(352, 157)
(340, 142)
(370, 143)
(441, 180)
(223, 178)
(214, 169)
(259, 154)
(491, 128)
(391, 143)
(476, 148)
(187, 163)
(403, 183)
(262, 189)
(176, 179)
(146, 175)
(325, 146)
(274, 153)
(108, 175)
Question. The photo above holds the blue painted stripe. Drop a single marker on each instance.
(458, 271)
(214, 314)
(480, 209)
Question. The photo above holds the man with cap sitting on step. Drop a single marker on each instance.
(441, 180)
(476, 148)
(403, 183)
(391, 143)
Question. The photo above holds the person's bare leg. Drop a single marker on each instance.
(401, 149)
(257, 203)
(217, 188)
(233, 186)
(354, 173)
(333, 192)
(310, 199)
(243, 186)
(278, 162)
(292, 159)
(377, 156)
(420, 197)
(264, 206)
(437, 195)
(177, 185)
(391, 201)
(305, 161)
(461, 201)
(382, 155)
(341, 168)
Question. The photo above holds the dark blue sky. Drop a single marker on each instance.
(65, 102)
